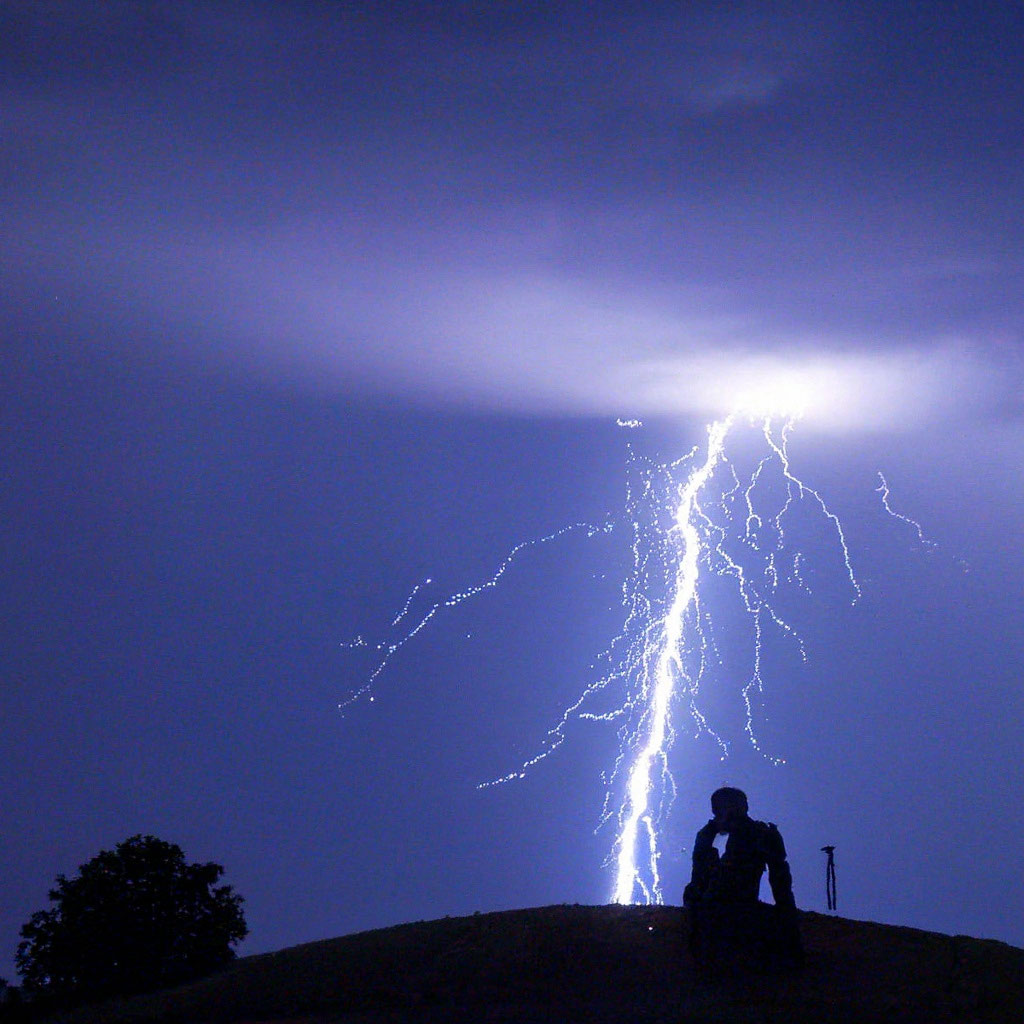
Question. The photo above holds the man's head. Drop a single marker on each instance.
(729, 806)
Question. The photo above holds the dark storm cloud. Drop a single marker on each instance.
(523, 207)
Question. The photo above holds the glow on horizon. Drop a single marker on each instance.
(833, 391)
(761, 389)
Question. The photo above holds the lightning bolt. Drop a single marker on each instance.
(669, 665)
(687, 519)
(671, 654)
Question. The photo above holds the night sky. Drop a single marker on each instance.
(302, 303)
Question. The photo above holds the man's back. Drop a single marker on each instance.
(728, 923)
(735, 876)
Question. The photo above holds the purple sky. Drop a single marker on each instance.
(302, 303)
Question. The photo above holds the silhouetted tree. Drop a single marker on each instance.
(12, 1011)
(134, 918)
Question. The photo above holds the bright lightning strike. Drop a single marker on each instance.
(669, 665)
(691, 521)
(731, 529)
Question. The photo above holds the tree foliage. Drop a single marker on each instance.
(134, 918)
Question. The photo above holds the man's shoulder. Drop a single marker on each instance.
(761, 826)
(770, 840)
(764, 833)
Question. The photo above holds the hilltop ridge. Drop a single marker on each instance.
(600, 964)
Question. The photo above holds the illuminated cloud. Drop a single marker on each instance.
(539, 345)
(640, 216)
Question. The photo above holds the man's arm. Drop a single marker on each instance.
(704, 856)
(779, 875)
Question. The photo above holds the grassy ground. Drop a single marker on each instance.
(592, 964)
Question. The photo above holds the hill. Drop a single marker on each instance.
(592, 964)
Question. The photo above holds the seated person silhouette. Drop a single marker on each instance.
(729, 926)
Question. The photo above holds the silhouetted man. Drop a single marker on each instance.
(728, 922)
